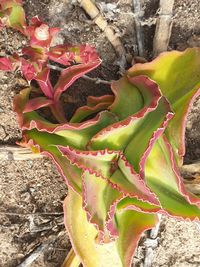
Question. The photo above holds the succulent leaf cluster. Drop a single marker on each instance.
(119, 154)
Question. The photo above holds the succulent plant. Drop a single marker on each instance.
(121, 164)
(119, 154)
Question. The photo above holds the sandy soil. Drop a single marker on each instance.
(31, 192)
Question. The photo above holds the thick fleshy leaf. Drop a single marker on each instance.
(162, 178)
(142, 93)
(175, 131)
(29, 70)
(16, 18)
(130, 225)
(99, 162)
(130, 183)
(37, 103)
(6, 64)
(44, 82)
(94, 105)
(133, 203)
(98, 197)
(145, 92)
(152, 126)
(83, 236)
(71, 74)
(61, 55)
(85, 111)
(19, 104)
(134, 135)
(46, 143)
(114, 167)
(78, 134)
(178, 76)
(65, 54)
(95, 100)
(35, 54)
(85, 53)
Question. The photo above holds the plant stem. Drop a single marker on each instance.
(91, 9)
(72, 260)
(86, 77)
(163, 27)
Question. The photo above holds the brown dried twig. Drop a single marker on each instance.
(163, 27)
(91, 9)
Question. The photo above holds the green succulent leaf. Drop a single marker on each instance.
(98, 197)
(79, 135)
(95, 100)
(178, 76)
(139, 93)
(130, 225)
(100, 162)
(71, 74)
(47, 144)
(85, 111)
(134, 135)
(130, 183)
(161, 175)
(133, 203)
(83, 236)
(15, 12)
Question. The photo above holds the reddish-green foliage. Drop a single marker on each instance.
(121, 165)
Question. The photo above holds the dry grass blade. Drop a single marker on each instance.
(163, 27)
(72, 260)
(94, 13)
(17, 153)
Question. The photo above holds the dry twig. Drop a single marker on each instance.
(86, 77)
(35, 253)
(91, 9)
(138, 27)
(163, 27)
